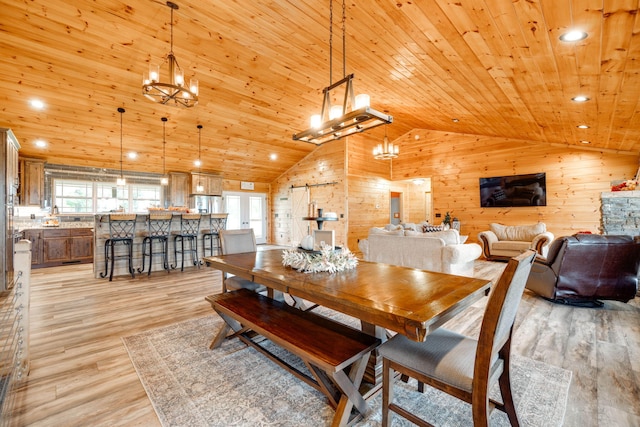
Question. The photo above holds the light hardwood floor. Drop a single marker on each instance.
(81, 374)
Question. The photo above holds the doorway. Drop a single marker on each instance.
(247, 210)
(395, 215)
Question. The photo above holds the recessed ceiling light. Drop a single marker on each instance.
(583, 126)
(273, 156)
(36, 104)
(132, 155)
(40, 143)
(580, 98)
(585, 141)
(455, 120)
(573, 36)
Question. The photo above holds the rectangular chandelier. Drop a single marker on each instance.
(333, 123)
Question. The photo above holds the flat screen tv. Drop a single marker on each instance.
(513, 190)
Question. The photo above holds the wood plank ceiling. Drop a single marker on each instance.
(497, 66)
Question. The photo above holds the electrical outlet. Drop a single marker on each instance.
(438, 215)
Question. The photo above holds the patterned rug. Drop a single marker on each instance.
(234, 385)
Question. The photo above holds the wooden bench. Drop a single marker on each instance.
(336, 355)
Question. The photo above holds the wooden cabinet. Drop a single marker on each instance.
(66, 246)
(35, 236)
(81, 246)
(56, 246)
(211, 184)
(32, 182)
(178, 188)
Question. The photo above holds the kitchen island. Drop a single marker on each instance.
(101, 227)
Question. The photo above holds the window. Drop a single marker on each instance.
(77, 196)
(74, 196)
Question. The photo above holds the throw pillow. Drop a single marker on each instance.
(431, 228)
(410, 226)
(376, 230)
(521, 233)
(392, 227)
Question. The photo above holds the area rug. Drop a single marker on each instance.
(234, 385)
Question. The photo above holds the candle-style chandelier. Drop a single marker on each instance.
(354, 115)
(386, 150)
(174, 91)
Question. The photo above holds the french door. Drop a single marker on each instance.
(247, 210)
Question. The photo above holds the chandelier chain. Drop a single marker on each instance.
(164, 146)
(330, 42)
(121, 111)
(344, 39)
(171, 36)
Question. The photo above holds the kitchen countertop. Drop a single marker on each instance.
(63, 224)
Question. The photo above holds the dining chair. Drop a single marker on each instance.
(459, 365)
(236, 242)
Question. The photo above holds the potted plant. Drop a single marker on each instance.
(447, 220)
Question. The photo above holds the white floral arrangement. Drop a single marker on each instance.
(327, 259)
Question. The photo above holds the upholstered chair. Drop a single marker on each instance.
(458, 365)
(502, 242)
(236, 242)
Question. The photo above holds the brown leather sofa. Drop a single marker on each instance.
(584, 268)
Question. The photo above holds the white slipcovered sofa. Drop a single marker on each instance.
(439, 251)
(505, 241)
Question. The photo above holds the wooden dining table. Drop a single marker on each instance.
(383, 297)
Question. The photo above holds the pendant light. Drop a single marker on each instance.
(354, 115)
(121, 181)
(387, 150)
(172, 91)
(165, 179)
(198, 163)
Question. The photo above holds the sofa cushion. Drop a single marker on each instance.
(518, 232)
(511, 245)
(450, 237)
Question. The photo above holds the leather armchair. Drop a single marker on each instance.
(585, 268)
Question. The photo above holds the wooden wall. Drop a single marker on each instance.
(575, 178)
(326, 164)
(368, 184)
(452, 165)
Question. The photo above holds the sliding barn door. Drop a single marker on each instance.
(299, 209)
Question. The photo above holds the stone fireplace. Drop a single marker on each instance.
(620, 212)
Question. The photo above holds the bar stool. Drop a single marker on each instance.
(158, 229)
(121, 232)
(217, 222)
(189, 227)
